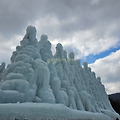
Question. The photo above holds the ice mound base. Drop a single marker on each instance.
(38, 85)
(46, 111)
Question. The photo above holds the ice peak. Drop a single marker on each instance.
(35, 75)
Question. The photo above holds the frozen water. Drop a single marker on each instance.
(36, 75)
(45, 111)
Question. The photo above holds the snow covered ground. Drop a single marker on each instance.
(45, 111)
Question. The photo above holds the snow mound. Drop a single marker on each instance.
(45, 111)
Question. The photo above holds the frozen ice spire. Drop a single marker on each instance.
(71, 56)
(30, 78)
(59, 51)
(30, 33)
(45, 48)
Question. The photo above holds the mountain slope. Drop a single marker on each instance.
(115, 101)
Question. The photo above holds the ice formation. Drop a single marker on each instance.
(36, 75)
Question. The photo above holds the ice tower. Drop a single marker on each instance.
(36, 75)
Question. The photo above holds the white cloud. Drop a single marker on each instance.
(109, 70)
(90, 26)
(87, 42)
(94, 2)
(69, 33)
(112, 87)
(7, 47)
(83, 26)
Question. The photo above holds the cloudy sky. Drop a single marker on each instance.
(90, 28)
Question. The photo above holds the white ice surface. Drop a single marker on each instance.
(35, 75)
(42, 111)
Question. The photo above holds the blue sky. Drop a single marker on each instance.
(90, 28)
(92, 58)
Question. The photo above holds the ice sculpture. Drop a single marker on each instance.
(45, 48)
(36, 75)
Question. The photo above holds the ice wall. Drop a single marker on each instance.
(36, 75)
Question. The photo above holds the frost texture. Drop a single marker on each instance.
(35, 75)
(45, 111)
